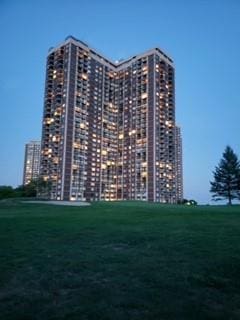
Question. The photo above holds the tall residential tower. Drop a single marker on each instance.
(109, 128)
(31, 161)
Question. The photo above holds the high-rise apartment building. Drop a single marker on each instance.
(109, 128)
(31, 161)
(179, 165)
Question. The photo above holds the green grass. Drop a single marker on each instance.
(123, 260)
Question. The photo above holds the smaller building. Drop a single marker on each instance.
(179, 165)
(31, 161)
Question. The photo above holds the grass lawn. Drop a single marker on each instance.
(122, 260)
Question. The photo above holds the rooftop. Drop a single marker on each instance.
(117, 65)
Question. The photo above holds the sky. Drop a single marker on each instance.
(201, 36)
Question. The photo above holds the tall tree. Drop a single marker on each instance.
(226, 177)
(43, 187)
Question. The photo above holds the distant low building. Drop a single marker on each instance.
(31, 161)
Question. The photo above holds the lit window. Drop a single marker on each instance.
(82, 125)
(84, 76)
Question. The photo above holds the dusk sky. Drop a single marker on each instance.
(202, 37)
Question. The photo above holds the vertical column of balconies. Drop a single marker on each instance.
(171, 170)
(151, 130)
(165, 122)
(119, 97)
(132, 133)
(179, 168)
(138, 129)
(47, 119)
(58, 125)
(53, 120)
(124, 176)
(127, 117)
(69, 123)
(80, 125)
(109, 138)
(127, 131)
(95, 128)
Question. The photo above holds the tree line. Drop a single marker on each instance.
(36, 188)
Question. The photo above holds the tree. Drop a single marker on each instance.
(226, 177)
(27, 190)
(43, 187)
(6, 192)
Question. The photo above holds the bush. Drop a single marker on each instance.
(188, 202)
